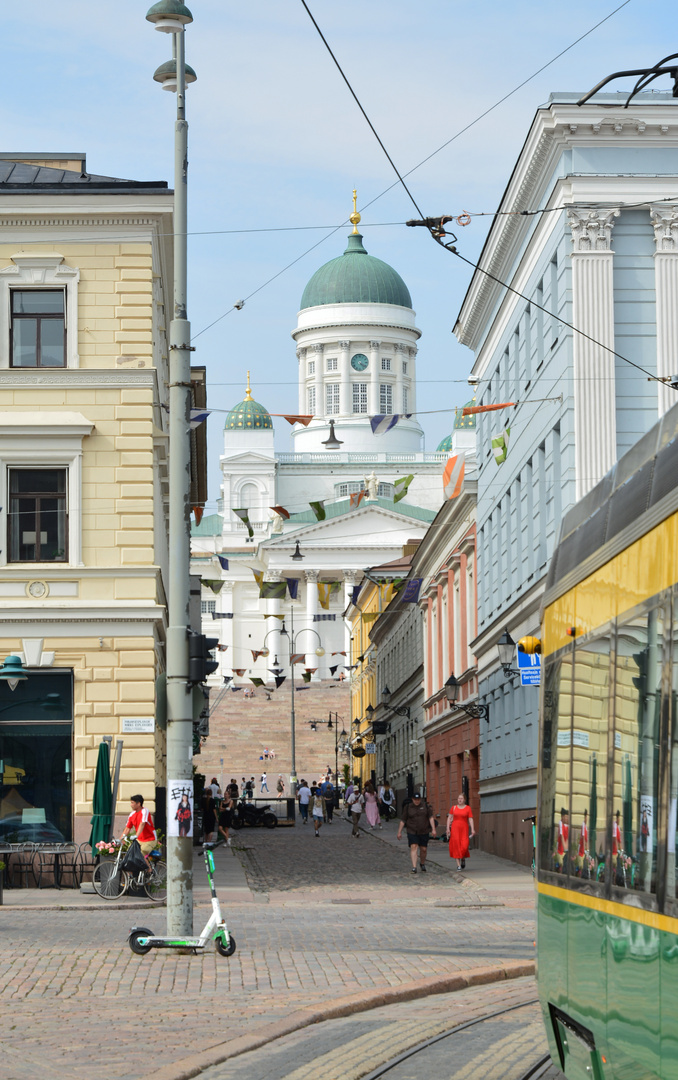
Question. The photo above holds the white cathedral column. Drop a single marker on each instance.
(595, 418)
(665, 223)
(401, 353)
(351, 578)
(309, 642)
(345, 402)
(375, 374)
(225, 604)
(303, 403)
(317, 351)
(273, 626)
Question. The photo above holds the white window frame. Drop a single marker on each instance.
(40, 272)
(332, 364)
(332, 399)
(386, 399)
(207, 607)
(51, 440)
(404, 367)
(406, 395)
(359, 397)
(311, 367)
(311, 400)
(386, 363)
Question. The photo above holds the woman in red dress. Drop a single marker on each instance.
(459, 820)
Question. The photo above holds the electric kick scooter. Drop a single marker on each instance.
(141, 940)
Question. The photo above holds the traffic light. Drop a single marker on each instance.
(200, 663)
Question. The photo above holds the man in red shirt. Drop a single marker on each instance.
(141, 823)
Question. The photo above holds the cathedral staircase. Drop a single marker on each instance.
(241, 728)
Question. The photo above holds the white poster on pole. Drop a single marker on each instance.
(180, 808)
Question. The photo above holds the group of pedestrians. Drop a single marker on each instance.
(319, 799)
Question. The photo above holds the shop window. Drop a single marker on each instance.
(554, 825)
(38, 515)
(588, 800)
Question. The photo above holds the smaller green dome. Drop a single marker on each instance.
(248, 415)
(445, 445)
(465, 422)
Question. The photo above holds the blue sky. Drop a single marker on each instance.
(276, 142)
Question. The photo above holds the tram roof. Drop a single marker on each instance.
(638, 493)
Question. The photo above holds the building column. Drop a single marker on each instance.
(463, 613)
(317, 351)
(375, 374)
(301, 360)
(351, 579)
(273, 626)
(400, 353)
(345, 402)
(226, 628)
(309, 642)
(665, 223)
(595, 426)
(450, 621)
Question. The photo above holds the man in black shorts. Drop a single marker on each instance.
(417, 817)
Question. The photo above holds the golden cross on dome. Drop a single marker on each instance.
(355, 216)
(248, 392)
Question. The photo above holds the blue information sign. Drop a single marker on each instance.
(529, 665)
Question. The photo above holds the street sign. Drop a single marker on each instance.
(138, 725)
(529, 665)
(370, 748)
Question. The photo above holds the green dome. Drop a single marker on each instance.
(465, 422)
(445, 445)
(356, 277)
(248, 415)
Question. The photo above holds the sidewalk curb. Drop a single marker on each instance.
(149, 905)
(343, 1006)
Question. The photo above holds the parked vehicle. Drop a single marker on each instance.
(248, 813)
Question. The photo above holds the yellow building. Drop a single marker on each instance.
(85, 302)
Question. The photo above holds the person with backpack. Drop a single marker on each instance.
(387, 800)
(356, 804)
(327, 792)
(141, 823)
(417, 817)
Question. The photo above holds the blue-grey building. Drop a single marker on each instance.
(587, 234)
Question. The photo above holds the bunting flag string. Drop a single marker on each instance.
(239, 671)
(356, 498)
(222, 648)
(198, 511)
(257, 681)
(500, 445)
(355, 593)
(306, 676)
(326, 618)
(370, 616)
(411, 591)
(223, 561)
(297, 658)
(282, 511)
(380, 424)
(453, 476)
(272, 590)
(256, 653)
(333, 669)
(318, 509)
(222, 614)
(198, 417)
(258, 576)
(215, 586)
(279, 680)
(275, 671)
(227, 679)
(292, 587)
(339, 653)
(405, 481)
(470, 410)
(324, 594)
(235, 689)
(295, 418)
(245, 518)
(273, 615)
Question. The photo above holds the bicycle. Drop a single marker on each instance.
(111, 882)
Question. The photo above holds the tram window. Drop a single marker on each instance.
(672, 833)
(556, 758)
(636, 752)
(589, 759)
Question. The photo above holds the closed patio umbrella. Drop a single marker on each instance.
(102, 802)
(593, 806)
(627, 807)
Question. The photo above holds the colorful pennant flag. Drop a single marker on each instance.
(257, 681)
(198, 511)
(245, 518)
(318, 509)
(279, 680)
(411, 591)
(227, 679)
(235, 689)
(222, 614)
(297, 658)
(256, 653)
(306, 676)
(272, 590)
(356, 498)
(325, 618)
(258, 576)
(339, 653)
(333, 669)
(370, 616)
(273, 615)
(405, 481)
(239, 671)
(223, 562)
(282, 511)
(355, 593)
(324, 594)
(198, 417)
(453, 476)
(215, 586)
(381, 424)
(275, 670)
(500, 445)
(294, 418)
(469, 410)
(292, 587)
(222, 648)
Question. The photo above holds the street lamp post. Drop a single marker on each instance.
(171, 17)
(319, 652)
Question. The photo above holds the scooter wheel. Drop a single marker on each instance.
(226, 951)
(133, 940)
(237, 823)
(270, 821)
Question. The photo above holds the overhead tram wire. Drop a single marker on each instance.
(457, 135)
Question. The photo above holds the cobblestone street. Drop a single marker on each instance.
(331, 924)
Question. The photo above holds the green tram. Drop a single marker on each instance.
(607, 888)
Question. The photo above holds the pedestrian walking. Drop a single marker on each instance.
(416, 818)
(216, 789)
(304, 797)
(387, 800)
(232, 788)
(209, 815)
(356, 803)
(280, 786)
(371, 806)
(226, 811)
(264, 785)
(327, 791)
(317, 810)
(459, 821)
(249, 788)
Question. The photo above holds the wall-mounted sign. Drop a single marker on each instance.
(138, 725)
(371, 748)
(529, 665)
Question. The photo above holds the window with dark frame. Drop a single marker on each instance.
(38, 515)
(38, 328)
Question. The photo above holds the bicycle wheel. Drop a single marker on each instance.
(108, 881)
(156, 884)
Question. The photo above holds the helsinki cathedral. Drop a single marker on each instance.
(339, 506)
